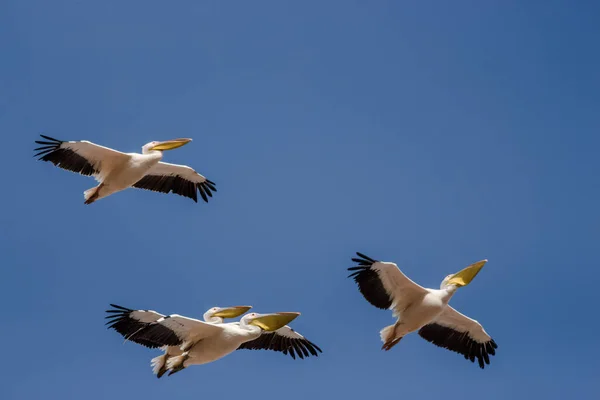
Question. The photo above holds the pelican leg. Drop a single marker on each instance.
(163, 368)
(93, 194)
(391, 343)
(392, 339)
(161, 372)
(176, 363)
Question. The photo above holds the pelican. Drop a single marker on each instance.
(201, 342)
(424, 310)
(116, 171)
(214, 315)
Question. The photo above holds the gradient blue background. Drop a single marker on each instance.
(432, 134)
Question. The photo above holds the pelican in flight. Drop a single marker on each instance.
(116, 171)
(424, 310)
(193, 342)
(215, 315)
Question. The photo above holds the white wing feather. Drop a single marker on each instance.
(461, 323)
(183, 171)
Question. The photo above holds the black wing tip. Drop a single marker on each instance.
(121, 307)
(303, 348)
(147, 334)
(462, 344)
(369, 284)
(206, 188)
(51, 139)
(47, 147)
(210, 184)
(362, 255)
(357, 271)
(294, 347)
(202, 190)
(363, 259)
(116, 315)
(364, 262)
(175, 184)
(314, 346)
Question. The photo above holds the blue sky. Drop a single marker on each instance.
(425, 133)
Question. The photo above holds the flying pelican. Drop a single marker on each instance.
(214, 315)
(424, 310)
(117, 171)
(201, 342)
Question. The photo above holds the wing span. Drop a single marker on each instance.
(461, 334)
(179, 179)
(284, 340)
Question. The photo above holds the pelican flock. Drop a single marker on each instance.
(187, 341)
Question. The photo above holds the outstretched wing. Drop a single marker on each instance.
(461, 334)
(82, 157)
(154, 330)
(285, 340)
(383, 284)
(179, 179)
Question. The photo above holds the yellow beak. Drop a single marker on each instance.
(272, 322)
(171, 144)
(464, 277)
(231, 312)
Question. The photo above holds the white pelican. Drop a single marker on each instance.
(201, 342)
(117, 171)
(214, 315)
(424, 310)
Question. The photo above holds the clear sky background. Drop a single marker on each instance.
(428, 133)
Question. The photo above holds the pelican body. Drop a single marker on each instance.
(215, 315)
(189, 341)
(423, 310)
(116, 171)
(218, 346)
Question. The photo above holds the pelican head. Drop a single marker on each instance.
(270, 322)
(229, 312)
(465, 276)
(166, 145)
